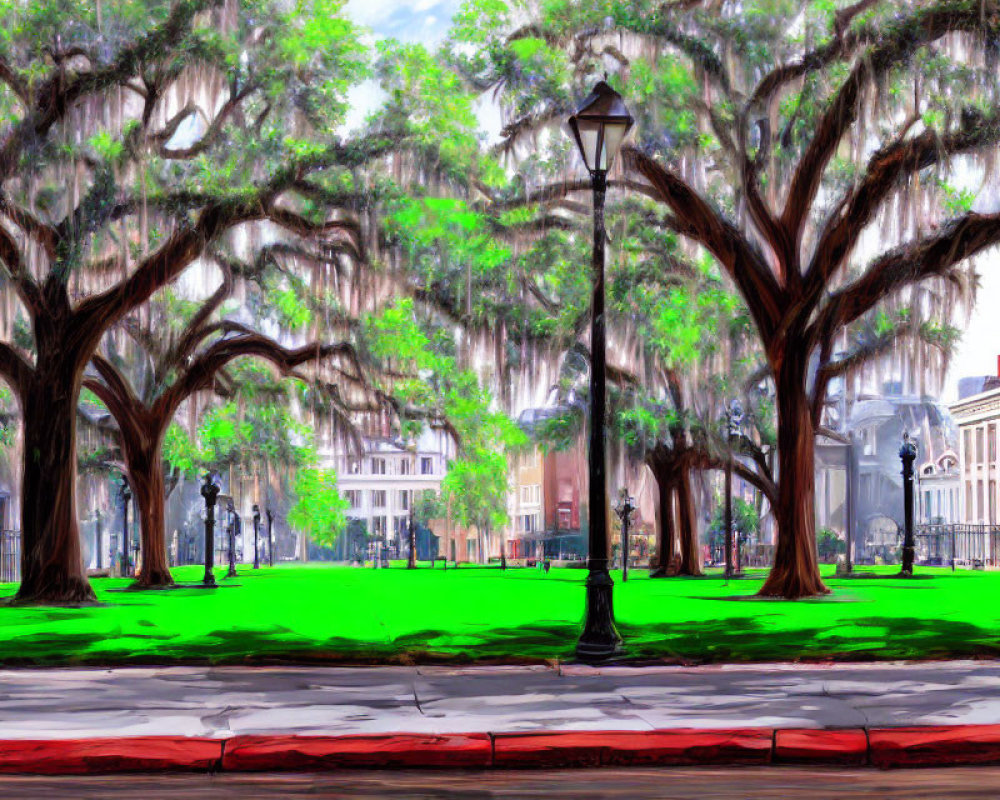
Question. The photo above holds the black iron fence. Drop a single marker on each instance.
(10, 556)
(961, 545)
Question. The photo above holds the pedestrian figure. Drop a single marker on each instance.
(548, 565)
(503, 562)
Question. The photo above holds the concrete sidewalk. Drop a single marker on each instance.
(308, 717)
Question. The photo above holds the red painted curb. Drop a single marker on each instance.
(821, 746)
(126, 754)
(623, 748)
(937, 745)
(243, 753)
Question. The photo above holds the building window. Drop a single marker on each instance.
(564, 518)
(378, 526)
(970, 511)
(980, 451)
(426, 465)
(404, 466)
(378, 498)
(404, 500)
(528, 523)
(353, 497)
(980, 505)
(354, 466)
(378, 466)
(531, 494)
(993, 443)
(967, 446)
(993, 502)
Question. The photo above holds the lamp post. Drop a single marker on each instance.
(125, 493)
(624, 512)
(234, 520)
(210, 491)
(599, 126)
(734, 419)
(411, 562)
(256, 534)
(907, 454)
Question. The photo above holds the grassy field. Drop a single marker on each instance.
(324, 612)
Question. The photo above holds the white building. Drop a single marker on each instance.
(978, 417)
(381, 482)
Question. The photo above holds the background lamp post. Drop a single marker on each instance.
(907, 454)
(624, 512)
(599, 127)
(734, 421)
(210, 491)
(234, 520)
(256, 534)
(125, 493)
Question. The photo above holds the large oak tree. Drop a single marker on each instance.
(816, 151)
(136, 135)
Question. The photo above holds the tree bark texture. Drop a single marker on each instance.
(145, 468)
(51, 562)
(795, 572)
(666, 538)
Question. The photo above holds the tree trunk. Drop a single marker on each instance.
(51, 564)
(690, 551)
(795, 572)
(145, 469)
(666, 540)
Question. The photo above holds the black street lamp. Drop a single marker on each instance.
(210, 491)
(270, 536)
(624, 512)
(907, 454)
(411, 562)
(256, 533)
(234, 520)
(599, 126)
(734, 420)
(125, 493)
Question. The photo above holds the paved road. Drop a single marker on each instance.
(769, 783)
(234, 700)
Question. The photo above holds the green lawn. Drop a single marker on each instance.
(323, 612)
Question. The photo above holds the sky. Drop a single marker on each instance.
(427, 21)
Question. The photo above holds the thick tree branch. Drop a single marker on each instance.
(934, 255)
(739, 257)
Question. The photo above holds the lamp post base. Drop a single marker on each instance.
(599, 640)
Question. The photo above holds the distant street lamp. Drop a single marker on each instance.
(125, 494)
(734, 421)
(624, 512)
(411, 562)
(234, 520)
(210, 491)
(256, 534)
(599, 126)
(907, 454)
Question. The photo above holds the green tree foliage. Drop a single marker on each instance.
(829, 545)
(319, 510)
(434, 387)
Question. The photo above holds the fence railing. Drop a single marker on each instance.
(967, 545)
(10, 556)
